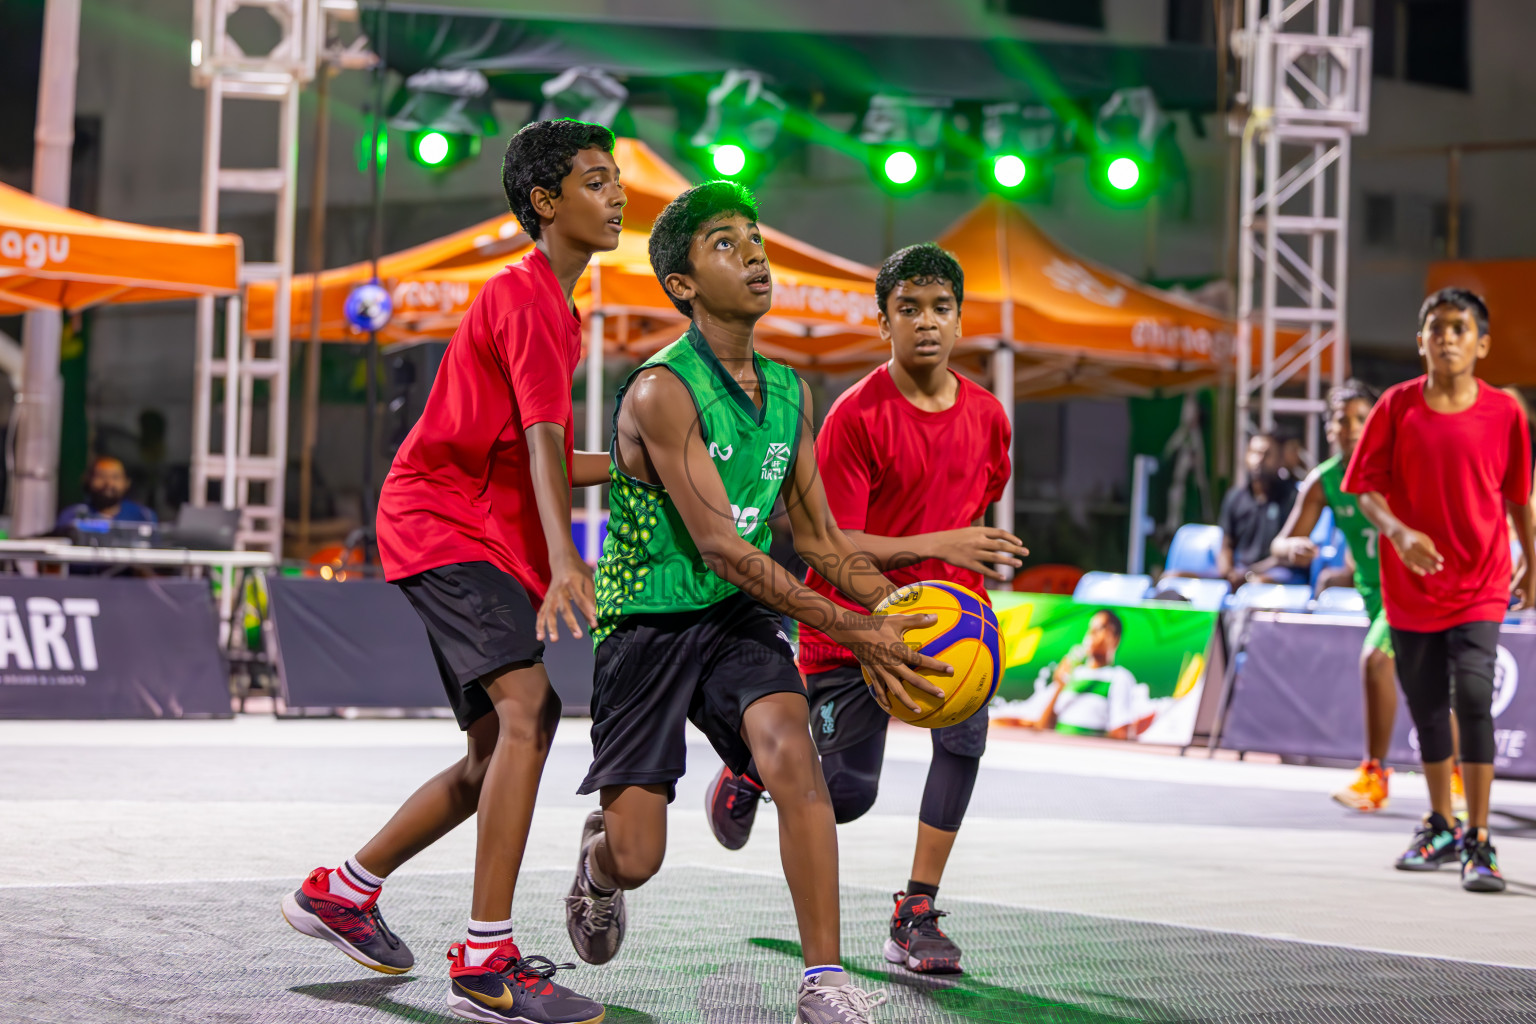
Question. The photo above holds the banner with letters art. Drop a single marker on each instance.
(1299, 693)
(1133, 673)
(83, 647)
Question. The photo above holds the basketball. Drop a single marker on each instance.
(965, 636)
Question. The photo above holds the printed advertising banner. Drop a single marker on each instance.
(1132, 673)
(361, 645)
(85, 647)
(1298, 693)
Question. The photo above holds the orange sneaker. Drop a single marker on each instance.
(1368, 792)
(1458, 793)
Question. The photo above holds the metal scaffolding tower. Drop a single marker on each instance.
(249, 380)
(1306, 74)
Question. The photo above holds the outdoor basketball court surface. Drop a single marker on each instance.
(141, 866)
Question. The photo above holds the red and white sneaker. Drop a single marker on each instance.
(917, 942)
(510, 988)
(357, 929)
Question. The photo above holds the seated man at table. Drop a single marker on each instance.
(1252, 514)
(106, 484)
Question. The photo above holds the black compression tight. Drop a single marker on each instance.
(1452, 666)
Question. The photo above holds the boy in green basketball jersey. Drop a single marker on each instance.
(707, 436)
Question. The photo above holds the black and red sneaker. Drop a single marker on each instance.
(357, 929)
(730, 804)
(916, 941)
(510, 988)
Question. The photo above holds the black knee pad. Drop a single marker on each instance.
(1474, 711)
(853, 792)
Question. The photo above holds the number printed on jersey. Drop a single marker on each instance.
(746, 518)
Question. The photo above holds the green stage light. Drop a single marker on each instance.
(1123, 173)
(431, 148)
(900, 167)
(729, 159)
(1009, 170)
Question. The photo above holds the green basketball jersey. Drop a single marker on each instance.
(1359, 534)
(649, 562)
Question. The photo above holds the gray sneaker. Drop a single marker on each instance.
(595, 922)
(836, 1004)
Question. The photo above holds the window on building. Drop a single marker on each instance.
(1423, 41)
(1191, 21)
(1088, 13)
(1380, 219)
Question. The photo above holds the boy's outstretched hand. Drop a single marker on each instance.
(978, 547)
(570, 586)
(877, 641)
(1417, 551)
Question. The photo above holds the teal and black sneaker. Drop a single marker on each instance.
(1479, 863)
(1436, 842)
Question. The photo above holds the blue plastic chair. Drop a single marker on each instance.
(1111, 588)
(1340, 601)
(1203, 595)
(1273, 597)
(1194, 550)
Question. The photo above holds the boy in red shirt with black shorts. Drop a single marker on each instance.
(1442, 460)
(910, 457)
(474, 525)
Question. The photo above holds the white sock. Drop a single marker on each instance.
(829, 975)
(590, 868)
(351, 882)
(483, 939)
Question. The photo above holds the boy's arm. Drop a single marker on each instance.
(1524, 520)
(1416, 549)
(1294, 544)
(570, 578)
(663, 413)
(589, 469)
(971, 547)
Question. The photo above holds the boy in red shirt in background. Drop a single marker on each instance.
(1442, 459)
(910, 457)
(474, 526)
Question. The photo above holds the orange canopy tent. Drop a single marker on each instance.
(1078, 327)
(52, 257)
(650, 182)
(818, 320)
(1506, 285)
(823, 315)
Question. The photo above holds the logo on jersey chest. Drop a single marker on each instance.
(717, 452)
(776, 462)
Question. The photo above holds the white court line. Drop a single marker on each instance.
(778, 877)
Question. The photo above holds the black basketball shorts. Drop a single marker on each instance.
(655, 673)
(480, 622)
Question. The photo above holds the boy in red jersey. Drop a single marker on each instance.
(1442, 460)
(474, 525)
(910, 457)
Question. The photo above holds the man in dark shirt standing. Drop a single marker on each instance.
(1252, 516)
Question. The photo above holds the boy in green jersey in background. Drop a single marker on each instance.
(1348, 407)
(707, 436)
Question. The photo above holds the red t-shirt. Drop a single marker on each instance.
(894, 470)
(1446, 475)
(460, 489)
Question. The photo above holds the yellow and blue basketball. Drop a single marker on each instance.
(965, 636)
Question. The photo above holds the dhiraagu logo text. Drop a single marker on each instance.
(776, 462)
